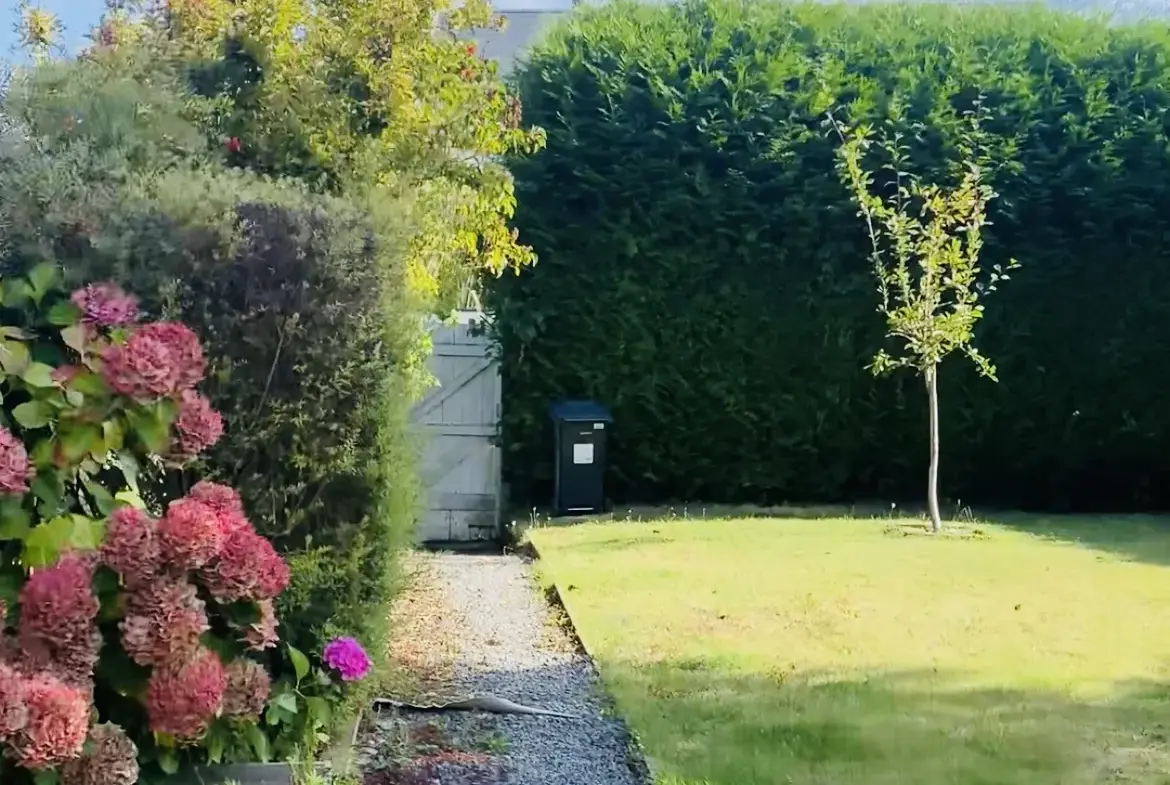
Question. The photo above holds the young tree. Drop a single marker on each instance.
(926, 241)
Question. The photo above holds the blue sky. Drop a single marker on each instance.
(78, 16)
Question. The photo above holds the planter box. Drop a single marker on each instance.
(238, 774)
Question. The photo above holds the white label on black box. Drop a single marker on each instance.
(582, 453)
(599, 426)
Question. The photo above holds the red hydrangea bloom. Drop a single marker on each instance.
(15, 470)
(221, 498)
(56, 727)
(248, 687)
(248, 568)
(226, 502)
(262, 635)
(111, 759)
(131, 547)
(143, 369)
(191, 534)
(106, 305)
(183, 345)
(164, 622)
(58, 619)
(198, 426)
(13, 707)
(182, 701)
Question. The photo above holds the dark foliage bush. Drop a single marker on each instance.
(301, 302)
(704, 273)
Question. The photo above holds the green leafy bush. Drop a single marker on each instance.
(302, 302)
(704, 273)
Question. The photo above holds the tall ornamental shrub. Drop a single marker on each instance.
(702, 270)
(124, 637)
(351, 95)
(310, 325)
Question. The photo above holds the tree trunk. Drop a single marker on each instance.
(932, 480)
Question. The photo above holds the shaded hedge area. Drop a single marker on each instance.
(313, 337)
(703, 272)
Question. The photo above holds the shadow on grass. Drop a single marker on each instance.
(704, 726)
(1143, 538)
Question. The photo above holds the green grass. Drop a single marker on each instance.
(760, 651)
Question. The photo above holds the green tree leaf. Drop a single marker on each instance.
(258, 741)
(74, 338)
(15, 522)
(90, 384)
(41, 279)
(14, 357)
(38, 375)
(168, 761)
(46, 542)
(101, 497)
(300, 663)
(63, 314)
(151, 428)
(78, 440)
(33, 414)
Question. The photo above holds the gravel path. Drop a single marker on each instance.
(510, 647)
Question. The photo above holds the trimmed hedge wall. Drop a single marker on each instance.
(703, 272)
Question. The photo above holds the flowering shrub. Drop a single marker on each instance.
(300, 708)
(146, 622)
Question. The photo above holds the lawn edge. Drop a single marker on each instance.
(636, 757)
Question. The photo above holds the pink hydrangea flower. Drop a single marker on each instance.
(191, 534)
(15, 470)
(111, 759)
(182, 701)
(57, 724)
(198, 426)
(348, 658)
(164, 622)
(58, 614)
(248, 568)
(183, 345)
(106, 305)
(13, 706)
(262, 635)
(248, 687)
(131, 547)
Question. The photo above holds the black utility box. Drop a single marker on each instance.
(579, 484)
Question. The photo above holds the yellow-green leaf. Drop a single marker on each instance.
(33, 414)
(41, 278)
(38, 375)
(74, 338)
(14, 357)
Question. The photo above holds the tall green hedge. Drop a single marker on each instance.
(314, 341)
(703, 272)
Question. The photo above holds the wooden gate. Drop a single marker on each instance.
(459, 418)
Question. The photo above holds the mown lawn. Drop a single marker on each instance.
(753, 652)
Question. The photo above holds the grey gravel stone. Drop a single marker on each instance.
(511, 650)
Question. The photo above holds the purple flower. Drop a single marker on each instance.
(348, 658)
(106, 305)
